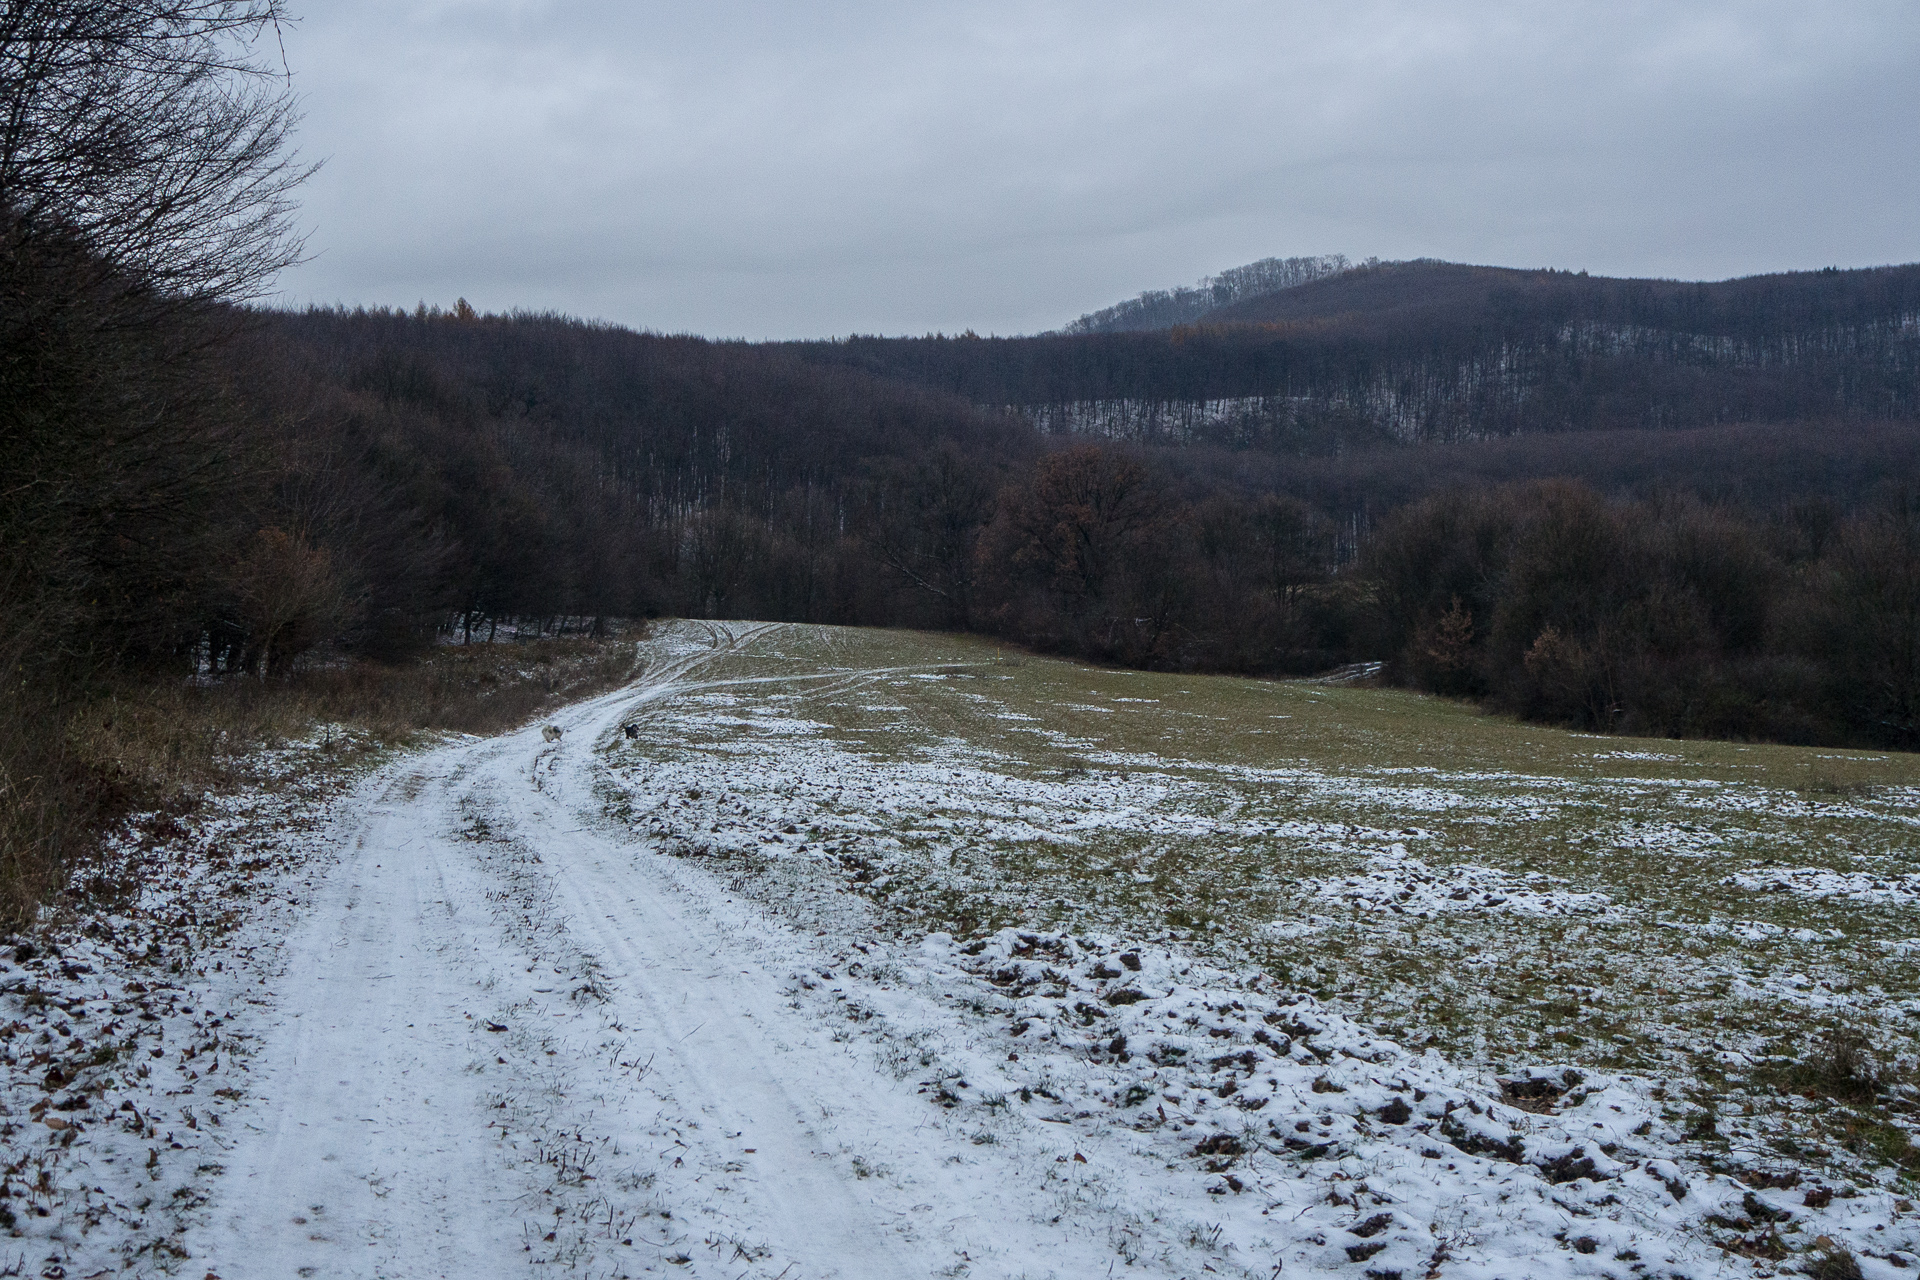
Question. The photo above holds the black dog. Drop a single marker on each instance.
(633, 730)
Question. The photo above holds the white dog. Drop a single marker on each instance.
(551, 733)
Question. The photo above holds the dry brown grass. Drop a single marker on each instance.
(67, 774)
(46, 805)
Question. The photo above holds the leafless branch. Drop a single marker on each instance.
(152, 135)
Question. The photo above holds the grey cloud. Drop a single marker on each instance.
(777, 170)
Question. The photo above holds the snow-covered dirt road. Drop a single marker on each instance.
(506, 1034)
(513, 1015)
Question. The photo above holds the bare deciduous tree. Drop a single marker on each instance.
(152, 134)
(287, 594)
(927, 518)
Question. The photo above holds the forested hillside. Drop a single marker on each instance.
(1164, 308)
(370, 481)
(537, 466)
(1432, 351)
(451, 470)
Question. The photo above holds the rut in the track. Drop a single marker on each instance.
(368, 1160)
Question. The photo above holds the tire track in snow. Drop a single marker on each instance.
(786, 1150)
(366, 1162)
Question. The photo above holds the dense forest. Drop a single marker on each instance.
(373, 481)
(452, 469)
(1646, 506)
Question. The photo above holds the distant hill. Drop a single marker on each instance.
(1391, 296)
(1164, 308)
(1436, 351)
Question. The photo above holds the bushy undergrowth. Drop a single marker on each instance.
(67, 773)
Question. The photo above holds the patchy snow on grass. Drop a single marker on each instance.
(1823, 882)
(1395, 881)
(1323, 1144)
(956, 820)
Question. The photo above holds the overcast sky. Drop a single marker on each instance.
(778, 170)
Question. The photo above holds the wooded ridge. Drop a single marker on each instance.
(1434, 351)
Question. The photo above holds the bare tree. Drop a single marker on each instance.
(1869, 628)
(145, 178)
(153, 135)
(286, 593)
(926, 522)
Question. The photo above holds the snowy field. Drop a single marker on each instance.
(882, 955)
